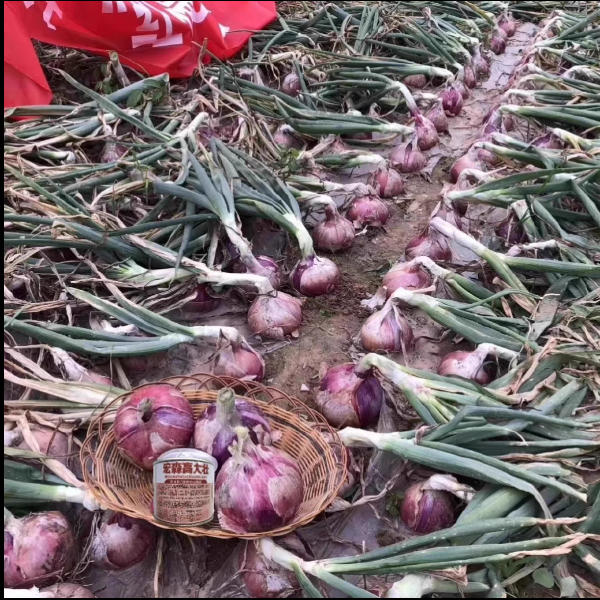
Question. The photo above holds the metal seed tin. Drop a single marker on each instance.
(184, 488)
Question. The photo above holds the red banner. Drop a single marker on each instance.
(152, 37)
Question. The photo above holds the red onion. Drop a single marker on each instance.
(121, 542)
(387, 182)
(215, 430)
(275, 317)
(469, 365)
(438, 117)
(387, 330)
(452, 100)
(143, 365)
(406, 277)
(447, 213)
(347, 400)
(463, 89)
(315, 276)
(480, 64)
(511, 230)
(353, 471)
(67, 590)
(431, 245)
(265, 266)
(427, 135)
(334, 234)
(291, 84)
(112, 152)
(203, 302)
(507, 24)
(284, 137)
(240, 360)
(425, 510)
(337, 147)
(156, 418)
(416, 81)
(38, 549)
(52, 442)
(470, 77)
(467, 161)
(487, 157)
(259, 488)
(368, 210)
(408, 158)
(549, 142)
(264, 578)
(498, 43)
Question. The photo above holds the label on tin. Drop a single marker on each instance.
(184, 492)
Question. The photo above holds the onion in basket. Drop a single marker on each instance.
(215, 430)
(259, 488)
(156, 418)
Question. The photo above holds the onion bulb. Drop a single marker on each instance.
(437, 116)
(264, 578)
(66, 590)
(347, 400)
(387, 330)
(507, 23)
(487, 157)
(75, 371)
(38, 549)
(427, 135)
(429, 244)
(408, 158)
(448, 214)
(368, 210)
(264, 266)
(215, 430)
(498, 43)
(406, 277)
(260, 488)
(468, 161)
(52, 442)
(416, 81)
(426, 510)
(512, 231)
(203, 302)
(291, 84)
(470, 77)
(452, 99)
(315, 276)
(549, 142)
(275, 317)
(156, 418)
(240, 360)
(284, 138)
(387, 182)
(480, 64)
(335, 233)
(469, 365)
(120, 542)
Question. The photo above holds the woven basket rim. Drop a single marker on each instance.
(302, 420)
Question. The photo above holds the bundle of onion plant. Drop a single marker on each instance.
(259, 192)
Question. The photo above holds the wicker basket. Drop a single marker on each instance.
(120, 486)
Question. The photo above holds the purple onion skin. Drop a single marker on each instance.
(388, 182)
(431, 246)
(416, 81)
(52, 442)
(549, 142)
(426, 511)
(286, 140)
(267, 267)
(508, 25)
(449, 215)
(456, 364)
(260, 488)
(122, 542)
(427, 135)
(155, 419)
(335, 234)
(241, 361)
(41, 552)
(368, 210)
(67, 590)
(315, 276)
(264, 578)
(470, 77)
(437, 116)
(291, 84)
(452, 100)
(463, 163)
(214, 436)
(203, 302)
(408, 159)
(413, 278)
(393, 333)
(349, 401)
(512, 232)
(275, 317)
(498, 44)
